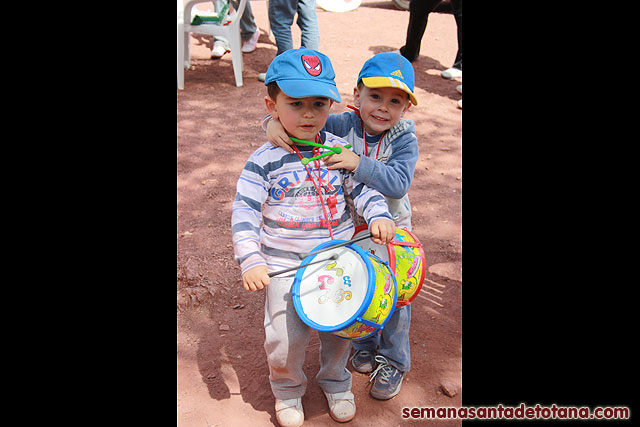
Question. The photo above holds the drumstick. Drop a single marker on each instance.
(357, 239)
(336, 150)
(275, 273)
(315, 144)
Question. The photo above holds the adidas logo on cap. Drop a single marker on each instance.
(397, 73)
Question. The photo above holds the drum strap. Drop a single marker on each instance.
(318, 186)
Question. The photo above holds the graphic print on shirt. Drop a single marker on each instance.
(298, 187)
(285, 187)
(306, 198)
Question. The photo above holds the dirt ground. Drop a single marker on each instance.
(222, 374)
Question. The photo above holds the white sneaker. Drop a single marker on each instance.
(342, 408)
(289, 412)
(220, 47)
(262, 76)
(451, 73)
(250, 45)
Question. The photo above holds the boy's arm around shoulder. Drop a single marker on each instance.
(394, 177)
(340, 124)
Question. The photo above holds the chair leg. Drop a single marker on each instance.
(236, 57)
(180, 58)
(187, 48)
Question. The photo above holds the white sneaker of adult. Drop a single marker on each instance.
(451, 73)
(250, 45)
(220, 47)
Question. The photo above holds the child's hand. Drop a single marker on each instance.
(346, 160)
(256, 278)
(277, 136)
(383, 231)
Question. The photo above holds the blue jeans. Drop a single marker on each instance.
(393, 339)
(281, 13)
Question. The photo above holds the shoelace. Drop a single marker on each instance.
(383, 368)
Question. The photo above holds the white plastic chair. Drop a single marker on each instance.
(231, 32)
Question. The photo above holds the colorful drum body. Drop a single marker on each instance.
(352, 297)
(405, 257)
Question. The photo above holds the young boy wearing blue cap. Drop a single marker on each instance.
(383, 156)
(283, 208)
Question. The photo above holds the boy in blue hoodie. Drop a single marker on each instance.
(383, 156)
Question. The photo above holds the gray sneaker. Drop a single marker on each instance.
(388, 380)
(363, 361)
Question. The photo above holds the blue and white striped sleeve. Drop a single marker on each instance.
(368, 203)
(246, 216)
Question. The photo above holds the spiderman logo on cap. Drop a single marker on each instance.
(312, 65)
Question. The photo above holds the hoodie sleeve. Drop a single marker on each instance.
(340, 124)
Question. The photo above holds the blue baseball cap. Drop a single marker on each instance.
(301, 73)
(389, 69)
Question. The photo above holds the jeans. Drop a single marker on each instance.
(393, 339)
(281, 13)
(418, 16)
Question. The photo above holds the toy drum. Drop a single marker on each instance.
(352, 296)
(405, 257)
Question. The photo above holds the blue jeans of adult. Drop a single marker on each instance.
(393, 339)
(281, 13)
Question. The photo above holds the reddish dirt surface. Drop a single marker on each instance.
(222, 374)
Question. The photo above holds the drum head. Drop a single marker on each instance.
(329, 296)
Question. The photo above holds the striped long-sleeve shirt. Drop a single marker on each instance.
(277, 215)
(387, 161)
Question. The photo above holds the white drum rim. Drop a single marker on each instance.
(295, 290)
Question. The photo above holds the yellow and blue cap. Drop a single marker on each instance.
(389, 69)
(301, 73)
